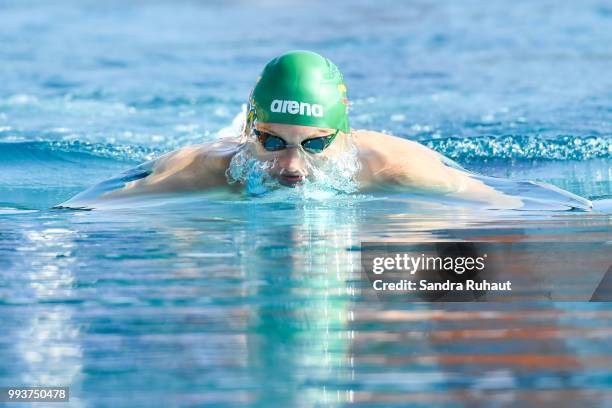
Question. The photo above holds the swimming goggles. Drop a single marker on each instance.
(273, 143)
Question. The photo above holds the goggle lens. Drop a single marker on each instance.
(270, 142)
(316, 145)
(274, 143)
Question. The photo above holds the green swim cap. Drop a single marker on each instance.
(300, 88)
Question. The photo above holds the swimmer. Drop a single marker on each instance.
(296, 132)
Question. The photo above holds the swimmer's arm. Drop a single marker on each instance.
(191, 168)
(393, 161)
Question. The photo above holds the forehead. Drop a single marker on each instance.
(282, 129)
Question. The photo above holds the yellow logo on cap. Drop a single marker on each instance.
(342, 88)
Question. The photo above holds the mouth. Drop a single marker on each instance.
(290, 180)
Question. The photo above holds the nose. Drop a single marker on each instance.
(292, 162)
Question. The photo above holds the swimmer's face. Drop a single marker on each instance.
(291, 164)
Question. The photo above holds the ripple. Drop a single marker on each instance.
(48, 151)
(522, 148)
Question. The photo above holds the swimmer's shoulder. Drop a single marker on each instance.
(189, 168)
(367, 138)
(391, 149)
(393, 160)
(205, 156)
(195, 166)
(220, 151)
(383, 143)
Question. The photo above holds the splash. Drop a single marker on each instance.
(515, 147)
(254, 174)
(328, 176)
(338, 173)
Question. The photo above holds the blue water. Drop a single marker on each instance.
(191, 301)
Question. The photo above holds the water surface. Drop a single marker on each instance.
(188, 301)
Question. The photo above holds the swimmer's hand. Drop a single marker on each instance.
(538, 195)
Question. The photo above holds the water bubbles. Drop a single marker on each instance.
(252, 173)
(327, 177)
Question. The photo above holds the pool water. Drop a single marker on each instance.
(195, 301)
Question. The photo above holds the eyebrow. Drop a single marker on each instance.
(269, 131)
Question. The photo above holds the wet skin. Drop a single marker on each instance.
(386, 162)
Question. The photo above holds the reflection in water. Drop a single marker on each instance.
(209, 303)
(300, 349)
(48, 351)
(295, 302)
